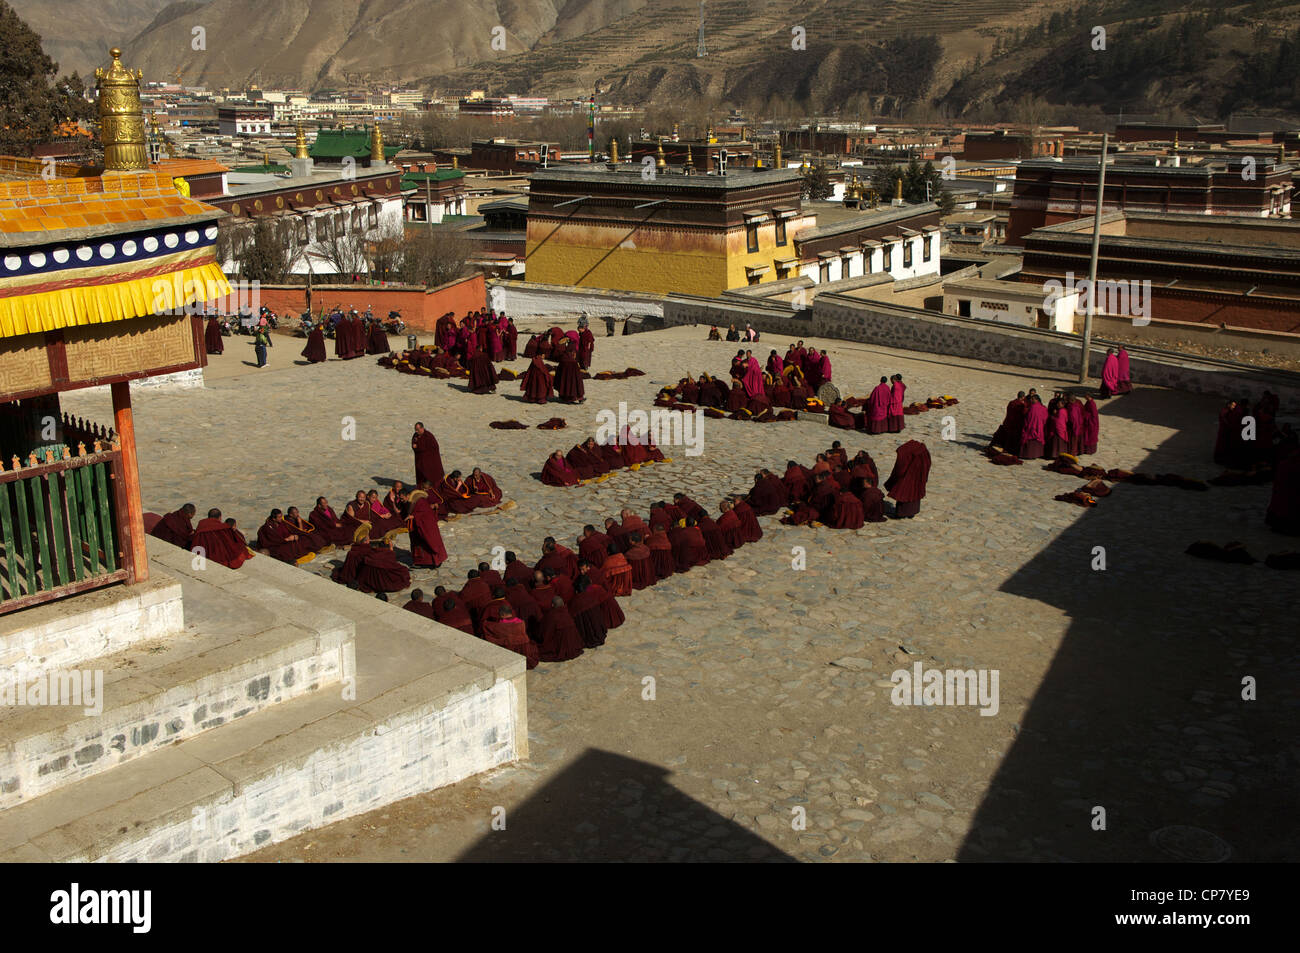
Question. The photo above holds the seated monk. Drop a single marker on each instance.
(863, 468)
(561, 583)
(588, 464)
(714, 542)
(318, 541)
(873, 503)
(736, 398)
(588, 615)
(659, 517)
(822, 498)
(509, 632)
(612, 455)
(632, 523)
(729, 525)
(847, 512)
(559, 558)
(557, 471)
(239, 537)
(750, 530)
(768, 494)
(480, 484)
(688, 390)
(328, 524)
(795, 481)
(427, 548)
(383, 520)
(357, 513)
(634, 451)
(837, 455)
(219, 542)
(638, 557)
(176, 528)
(490, 575)
(517, 594)
(592, 545)
(616, 534)
(687, 507)
(395, 500)
(456, 496)
(618, 573)
(712, 392)
(689, 549)
(277, 538)
(542, 590)
(515, 569)
(381, 573)
(346, 574)
(475, 593)
(453, 613)
(661, 551)
(558, 636)
(417, 604)
(609, 606)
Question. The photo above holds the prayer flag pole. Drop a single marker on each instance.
(1092, 264)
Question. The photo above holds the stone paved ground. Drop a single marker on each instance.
(1119, 689)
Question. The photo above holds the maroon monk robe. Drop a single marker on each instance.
(618, 574)
(510, 342)
(381, 572)
(750, 529)
(377, 341)
(568, 378)
(421, 608)
(1091, 426)
(483, 485)
(767, 496)
(316, 540)
(457, 616)
(347, 573)
(563, 587)
(1074, 410)
(330, 526)
(609, 606)
(687, 507)
(175, 528)
(482, 376)
(384, 520)
(873, 504)
(796, 482)
(594, 547)
(562, 560)
(736, 399)
(1032, 436)
(537, 383)
(517, 570)
(847, 513)
(661, 553)
(714, 542)
(212, 342)
(732, 532)
(612, 455)
(1007, 436)
(558, 636)
(273, 536)
(475, 594)
(589, 616)
(1058, 436)
(557, 472)
(425, 539)
(525, 607)
(643, 571)
(837, 416)
(822, 499)
(906, 484)
(689, 549)
(457, 498)
(543, 596)
(428, 459)
(492, 578)
(315, 349)
(897, 393)
(219, 543)
(586, 347)
(689, 391)
(583, 463)
(510, 633)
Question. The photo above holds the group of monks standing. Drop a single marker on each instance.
(539, 384)
(1032, 431)
(1251, 440)
(590, 460)
(884, 411)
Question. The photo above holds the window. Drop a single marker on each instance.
(374, 221)
(846, 267)
(303, 235)
(751, 236)
(925, 247)
(887, 253)
(782, 272)
(780, 232)
(907, 254)
(963, 309)
(755, 278)
(824, 271)
(866, 261)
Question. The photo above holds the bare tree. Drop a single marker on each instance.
(435, 257)
(263, 250)
(345, 249)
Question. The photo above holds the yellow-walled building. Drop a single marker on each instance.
(620, 227)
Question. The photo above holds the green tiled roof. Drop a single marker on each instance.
(268, 169)
(337, 143)
(413, 180)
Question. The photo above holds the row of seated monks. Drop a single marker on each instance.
(788, 392)
(843, 493)
(427, 359)
(590, 460)
(1031, 431)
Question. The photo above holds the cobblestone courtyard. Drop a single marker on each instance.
(1119, 689)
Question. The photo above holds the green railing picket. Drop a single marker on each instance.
(82, 479)
(78, 555)
(105, 516)
(10, 567)
(24, 551)
(48, 485)
(42, 534)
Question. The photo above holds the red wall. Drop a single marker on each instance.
(420, 308)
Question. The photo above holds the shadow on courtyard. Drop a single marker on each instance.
(1140, 711)
(607, 807)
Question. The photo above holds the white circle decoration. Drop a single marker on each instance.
(191, 237)
(60, 255)
(13, 262)
(170, 240)
(150, 244)
(106, 250)
(128, 247)
(210, 233)
(37, 258)
(85, 252)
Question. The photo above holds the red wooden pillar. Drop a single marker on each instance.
(133, 546)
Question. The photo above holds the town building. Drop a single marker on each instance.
(1011, 144)
(243, 120)
(429, 193)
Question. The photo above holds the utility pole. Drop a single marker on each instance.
(1092, 264)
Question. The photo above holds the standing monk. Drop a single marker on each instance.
(427, 548)
(1124, 384)
(482, 376)
(906, 484)
(878, 407)
(1033, 436)
(568, 378)
(315, 349)
(897, 392)
(537, 384)
(212, 342)
(428, 459)
(1110, 374)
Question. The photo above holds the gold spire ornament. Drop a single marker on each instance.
(689, 167)
(660, 161)
(121, 118)
(777, 160)
(613, 151)
(300, 143)
(376, 144)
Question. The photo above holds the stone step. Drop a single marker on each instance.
(426, 706)
(233, 659)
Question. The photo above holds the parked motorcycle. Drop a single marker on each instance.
(394, 324)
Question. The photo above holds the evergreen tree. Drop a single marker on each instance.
(32, 104)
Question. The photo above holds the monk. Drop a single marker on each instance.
(515, 569)
(1110, 374)
(417, 604)
(482, 376)
(508, 631)
(736, 400)
(277, 538)
(475, 593)
(383, 519)
(862, 471)
(753, 378)
(1007, 436)
(618, 573)
(1091, 427)
(1031, 443)
(377, 339)
(396, 499)
(482, 485)
(510, 340)
(1074, 418)
(638, 557)
(661, 551)
(729, 525)
(558, 636)
(686, 506)
(315, 349)
(822, 499)
(346, 574)
(453, 613)
(588, 614)
(542, 590)
(568, 378)
(906, 484)
(586, 459)
(427, 548)
(593, 545)
(428, 458)
(219, 542)
(586, 347)
(838, 416)
(1123, 383)
(326, 522)
(847, 512)
(557, 472)
(456, 496)
(795, 481)
(812, 369)
(897, 393)
(537, 384)
(750, 530)
(1058, 434)
(557, 557)
(212, 342)
(715, 544)
(318, 541)
(520, 599)
(176, 527)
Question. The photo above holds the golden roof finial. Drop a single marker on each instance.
(376, 144)
(613, 150)
(660, 162)
(300, 143)
(689, 167)
(777, 160)
(121, 117)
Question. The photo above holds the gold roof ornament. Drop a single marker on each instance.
(121, 117)
(376, 144)
(776, 161)
(613, 151)
(689, 167)
(660, 162)
(455, 162)
(900, 189)
(300, 143)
